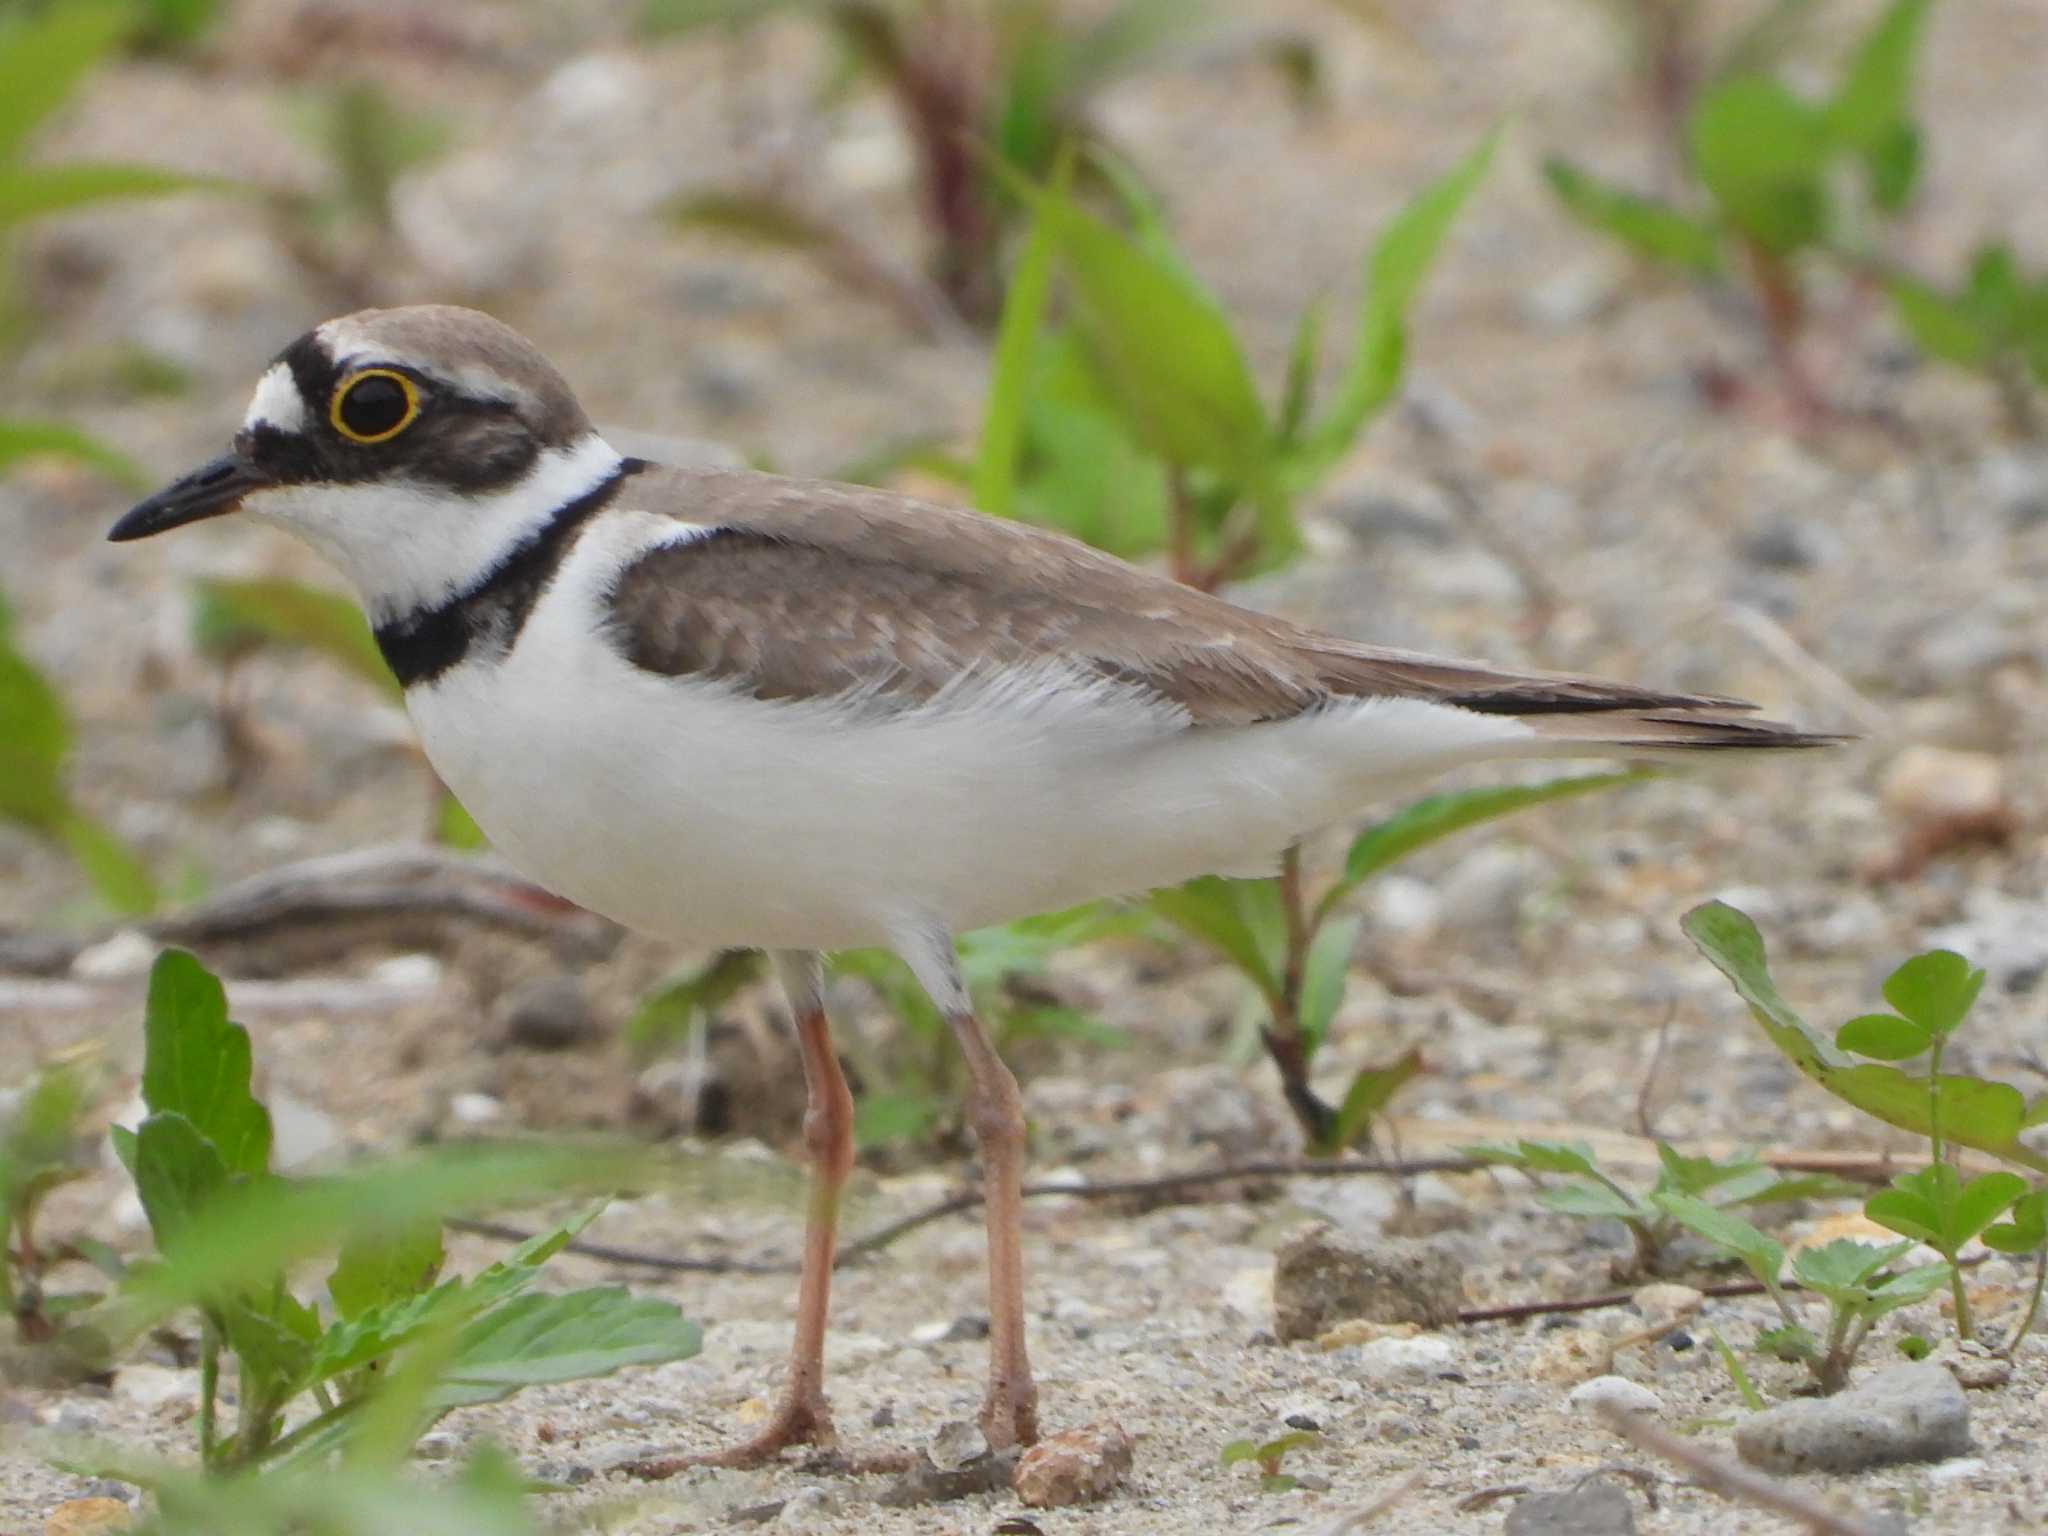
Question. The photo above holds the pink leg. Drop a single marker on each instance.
(1009, 1414)
(802, 1417)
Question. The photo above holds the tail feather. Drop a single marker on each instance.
(1666, 732)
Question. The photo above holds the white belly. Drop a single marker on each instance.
(687, 810)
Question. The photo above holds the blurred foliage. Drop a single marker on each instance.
(907, 1084)
(1780, 177)
(1995, 323)
(43, 1147)
(1296, 950)
(402, 1346)
(35, 738)
(45, 54)
(1131, 419)
(1013, 78)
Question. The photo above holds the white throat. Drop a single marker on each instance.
(405, 547)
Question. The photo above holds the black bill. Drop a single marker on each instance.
(209, 491)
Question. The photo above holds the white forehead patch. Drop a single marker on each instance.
(277, 402)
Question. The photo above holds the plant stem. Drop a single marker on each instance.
(209, 1392)
(2033, 1305)
(1283, 1039)
(1181, 561)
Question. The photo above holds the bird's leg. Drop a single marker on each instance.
(1009, 1414)
(802, 1417)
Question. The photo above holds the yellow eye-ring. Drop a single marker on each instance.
(373, 405)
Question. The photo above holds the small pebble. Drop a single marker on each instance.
(475, 1108)
(1322, 1278)
(127, 953)
(1908, 1413)
(1615, 1392)
(1596, 1507)
(438, 1446)
(1078, 1467)
(955, 1444)
(548, 1015)
(805, 1508)
(88, 1517)
(1425, 1358)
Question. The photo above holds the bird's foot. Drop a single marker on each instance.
(801, 1420)
(1009, 1414)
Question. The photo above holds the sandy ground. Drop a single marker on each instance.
(1899, 574)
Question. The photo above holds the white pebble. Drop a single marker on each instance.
(475, 1108)
(127, 953)
(1617, 1392)
(1416, 1359)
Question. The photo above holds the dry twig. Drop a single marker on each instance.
(1731, 1479)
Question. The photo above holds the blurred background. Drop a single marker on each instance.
(1693, 341)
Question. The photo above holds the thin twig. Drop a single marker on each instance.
(1644, 1123)
(1344, 1524)
(1731, 1479)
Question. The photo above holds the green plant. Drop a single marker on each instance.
(1772, 166)
(397, 1347)
(1268, 1455)
(35, 738)
(909, 1083)
(1015, 76)
(1995, 324)
(341, 234)
(1295, 949)
(44, 54)
(42, 1148)
(1931, 995)
(1132, 420)
(1588, 1190)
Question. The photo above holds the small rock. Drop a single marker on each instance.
(806, 1507)
(1666, 1306)
(1078, 1467)
(1959, 1470)
(127, 953)
(1359, 1331)
(1321, 1278)
(1425, 1358)
(549, 1015)
(1907, 1413)
(87, 1517)
(1596, 1507)
(475, 1108)
(1937, 784)
(151, 1386)
(1974, 1367)
(1573, 1354)
(438, 1446)
(1614, 1391)
(926, 1484)
(408, 973)
(955, 1444)
(300, 1133)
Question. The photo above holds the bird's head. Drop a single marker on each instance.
(411, 447)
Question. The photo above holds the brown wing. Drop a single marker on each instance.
(804, 590)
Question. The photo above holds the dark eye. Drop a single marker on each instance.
(374, 405)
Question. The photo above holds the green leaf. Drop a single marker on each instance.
(1894, 165)
(1590, 1200)
(1368, 1094)
(1537, 1156)
(122, 880)
(1790, 1343)
(1935, 990)
(1973, 1112)
(1725, 1230)
(1844, 1265)
(196, 1062)
(1883, 1037)
(1302, 356)
(535, 1339)
(1648, 227)
(21, 441)
(1239, 1450)
(1982, 1201)
(1015, 365)
(375, 1269)
(1941, 327)
(33, 191)
(177, 1172)
(1936, 1207)
(44, 56)
(232, 616)
(1162, 346)
(274, 1337)
(1225, 915)
(673, 1009)
(454, 827)
(1399, 261)
(883, 1119)
(2026, 1229)
(1325, 970)
(1905, 1288)
(1762, 153)
(1438, 816)
(34, 737)
(1874, 98)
